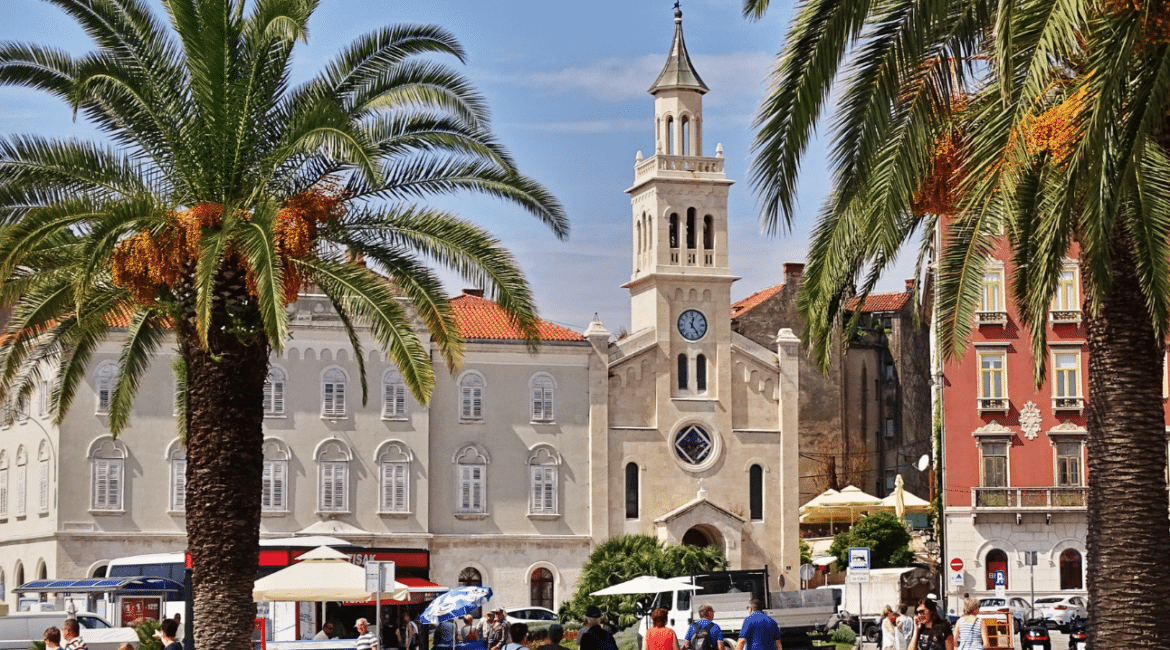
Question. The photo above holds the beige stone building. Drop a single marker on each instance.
(520, 464)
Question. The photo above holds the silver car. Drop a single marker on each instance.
(1057, 611)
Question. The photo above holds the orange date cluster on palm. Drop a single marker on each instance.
(938, 191)
(1154, 14)
(1055, 130)
(149, 262)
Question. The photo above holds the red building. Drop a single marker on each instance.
(1014, 456)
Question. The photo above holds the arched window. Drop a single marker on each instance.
(541, 583)
(470, 577)
(685, 149)
(471, 481)
(756, 492)
(631, 490)
(394, 460)
(178, 459)
(673, 230)
(690, 228)
(682, 372)
(19, 574)
(333, 393)
(471, 389)
(701, 373)
(21, 480)
(274, 491)
(543, 465)
(670, 135)
(638, 233)
(708, 233)
(393, 395)
(103, 385)
(1071, 574)
(542, 387)
(996, 562)
(108, 463)
(43, 470)
(274, 392)
(3, 484)
(333, 458)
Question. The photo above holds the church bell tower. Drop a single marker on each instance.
(680, 283)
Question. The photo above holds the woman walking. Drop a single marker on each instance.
(933, 632)
(659, 637)
(972, 636)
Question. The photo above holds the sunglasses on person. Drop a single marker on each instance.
(921, 611)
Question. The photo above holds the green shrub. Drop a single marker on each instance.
(843, 634)
(146, 638)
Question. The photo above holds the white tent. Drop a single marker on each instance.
(321, 574)
(646, 585)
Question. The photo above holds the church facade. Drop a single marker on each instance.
(520, 464)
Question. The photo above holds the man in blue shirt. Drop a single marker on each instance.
(705, 622)
(759, 631)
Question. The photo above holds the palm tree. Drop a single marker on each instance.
(224, 193)
(1045, 122)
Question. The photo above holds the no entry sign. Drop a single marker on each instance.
(956, 565)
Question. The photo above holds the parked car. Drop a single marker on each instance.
(1059, 610)
(18, 631)
(1017, 607)
(530, 615)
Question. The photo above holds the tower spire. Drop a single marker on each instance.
(678, 71)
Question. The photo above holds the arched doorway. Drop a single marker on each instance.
(696, 537)
(996, 561)
(1070, 570)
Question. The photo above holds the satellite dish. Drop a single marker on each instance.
(924, 462)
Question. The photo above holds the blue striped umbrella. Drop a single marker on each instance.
(455, 602)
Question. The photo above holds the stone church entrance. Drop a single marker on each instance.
(703, 536)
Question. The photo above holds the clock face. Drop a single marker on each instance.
(692, 325)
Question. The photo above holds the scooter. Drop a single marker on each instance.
(1034, 634)
(1078, 635)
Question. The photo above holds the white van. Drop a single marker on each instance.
(19, 630)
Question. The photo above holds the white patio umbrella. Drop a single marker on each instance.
(321, 574)
(645, 585)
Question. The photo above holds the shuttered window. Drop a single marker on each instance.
(542, 399)
(274, 485)
(333, 394)
(107, 483)
(178, 484)
(472, 489)
(544, 489)
(274, 393)
(103, 385)
(4, 492)
(395, 487)
(393, 398)
(471, 397)
(43, 486)
(334, 495)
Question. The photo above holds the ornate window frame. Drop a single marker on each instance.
(394, 460)
(107, 457)
(275, 482)
(544, 489)
(275, 392)
(333, 458)
(471, 462)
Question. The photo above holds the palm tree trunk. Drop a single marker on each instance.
(1128, 524)
(225, 413)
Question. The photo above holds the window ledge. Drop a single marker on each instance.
(543, 423)
(471, 515)
(470, 420)
(343, 416)
(177, 513)
(1064, 404)
(106, 513)
(275, 416)
(544, 516)
(330, 514)
(694, 398)
(395, 418)
(273, 513)
(991, 318)
(397, 514)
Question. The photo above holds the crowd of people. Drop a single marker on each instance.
(929, 630)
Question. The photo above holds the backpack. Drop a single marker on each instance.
(701, 639)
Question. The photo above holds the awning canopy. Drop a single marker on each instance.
(136, 584)
(419, 591)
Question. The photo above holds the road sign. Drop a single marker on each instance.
(957, 578)
(807, 572)
(858, 564)
(379, 576)
(957, 564)
(1001, 578)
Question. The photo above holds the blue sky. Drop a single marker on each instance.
(566, 83)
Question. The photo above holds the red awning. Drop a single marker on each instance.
(420, 592)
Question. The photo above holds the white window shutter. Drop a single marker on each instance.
(21, 487)
(537, 403)
(388, 400)
(328, 405)
(279, 486)
(339, 399)
(477, 488)
(278, 398)
(115, 490)
(550, 489)
(477, 403)
(266, 487)
(401, 477)
(399, 399)
(464, 488)
(178, 484)
(536, 488)
(100, 484)
(43, 500)
(326, 486)
(466, 402)
(4, 492)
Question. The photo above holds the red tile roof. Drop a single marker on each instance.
(743, 306)
(880, 302)
(480, 318)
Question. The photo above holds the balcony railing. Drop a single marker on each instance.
(991, 318)
(993, 404)
(689, 165)
(1068, 404)
(1065, 317)
(998, 499)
